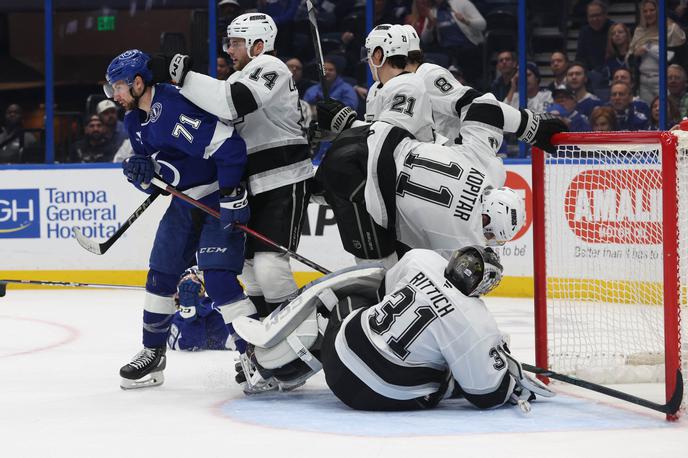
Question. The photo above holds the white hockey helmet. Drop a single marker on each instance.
(506, 213)
(474, 270)
(253, 27)
(392, 39)
(413, 38)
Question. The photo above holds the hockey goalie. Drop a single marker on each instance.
(403, 340)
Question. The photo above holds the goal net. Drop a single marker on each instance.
(611, 263)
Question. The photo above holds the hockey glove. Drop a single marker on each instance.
(316, 135)
(140, 170)
(526, 388)
(234, 207)
(179, 67)
(334, 115)
(159, 65)
(537, 129)
(190, 292)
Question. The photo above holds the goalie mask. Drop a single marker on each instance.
(252, 27)
(474, 270)
(506, 214)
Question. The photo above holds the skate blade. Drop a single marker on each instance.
(253, 389)
(152, 379)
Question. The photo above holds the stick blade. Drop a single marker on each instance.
(87, 243)
(3, 289)
(674, 403)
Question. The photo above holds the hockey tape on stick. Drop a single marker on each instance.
(101, 248)
(211, 211)
(315, 35)
(670, 408)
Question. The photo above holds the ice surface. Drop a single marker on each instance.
(60, 352)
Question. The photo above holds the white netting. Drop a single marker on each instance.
(604, 257)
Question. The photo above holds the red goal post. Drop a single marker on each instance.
(610, 258)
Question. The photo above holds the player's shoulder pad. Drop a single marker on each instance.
(421, 259)
(267, 62)
(406, 82)
(432, 71)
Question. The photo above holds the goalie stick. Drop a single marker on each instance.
(3, 285)
(101, 248)
(670, 408)
(177, 193)
(315, 35)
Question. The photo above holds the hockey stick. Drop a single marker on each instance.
(4, 282)
(177, 193)
(101, 248)
(315, 35)
(669, 408)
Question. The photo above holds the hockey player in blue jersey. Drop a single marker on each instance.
(205, 158)
(198, 324)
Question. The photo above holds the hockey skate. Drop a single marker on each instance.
(250, 379)
(144, 370)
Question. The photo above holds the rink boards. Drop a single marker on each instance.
(41, 205)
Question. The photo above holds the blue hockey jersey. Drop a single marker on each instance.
(197, 153)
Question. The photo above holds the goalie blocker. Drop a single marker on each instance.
(398, 352)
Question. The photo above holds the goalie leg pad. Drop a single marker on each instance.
(293, 346)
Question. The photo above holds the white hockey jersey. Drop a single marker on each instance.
(262, 102)
(435, 201)
(404, 347)
(402, 102)
(444, 91)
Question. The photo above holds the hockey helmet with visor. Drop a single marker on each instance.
(124, 69)
(252, 27)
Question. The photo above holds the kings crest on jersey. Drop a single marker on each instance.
(181, 138)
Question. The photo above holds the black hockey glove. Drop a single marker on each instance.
(179, 67)
(159, 65)
(316, 135)
(334, 115)
(537, 129)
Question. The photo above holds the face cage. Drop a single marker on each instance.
(491, 278)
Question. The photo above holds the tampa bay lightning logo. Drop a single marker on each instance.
(156, 111)
(129, 53)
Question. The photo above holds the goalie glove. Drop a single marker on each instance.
(179, 66)
(334, 115)
(537, 129)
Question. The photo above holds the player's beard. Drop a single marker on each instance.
(130, 105)
(240, 63)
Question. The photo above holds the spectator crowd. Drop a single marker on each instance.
(610, 82)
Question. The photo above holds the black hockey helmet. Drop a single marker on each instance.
(474, 270)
